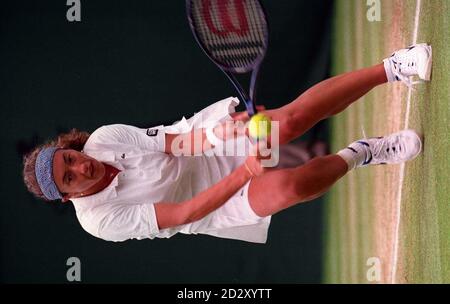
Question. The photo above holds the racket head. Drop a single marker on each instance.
(233, 33)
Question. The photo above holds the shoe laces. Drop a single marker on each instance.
(388, 147)
(406, 80)
(407, 62)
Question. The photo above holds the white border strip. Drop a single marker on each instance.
(402, 166)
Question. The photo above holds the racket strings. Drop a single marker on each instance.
(238, 43)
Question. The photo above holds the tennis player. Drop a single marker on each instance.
(127, 183)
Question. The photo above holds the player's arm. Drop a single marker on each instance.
(174, 214)
(190, 143)
(197, 141)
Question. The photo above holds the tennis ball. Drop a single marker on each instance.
(259, 126)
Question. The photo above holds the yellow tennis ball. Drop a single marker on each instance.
(259, 126)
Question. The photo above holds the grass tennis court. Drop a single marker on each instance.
(398, 214)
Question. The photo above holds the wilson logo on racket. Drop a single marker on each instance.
(234, 35)
(226, 13)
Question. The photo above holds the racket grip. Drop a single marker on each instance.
(251, 109)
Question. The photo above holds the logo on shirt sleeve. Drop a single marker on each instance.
(152, 132)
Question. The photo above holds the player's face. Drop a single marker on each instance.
(75, 172)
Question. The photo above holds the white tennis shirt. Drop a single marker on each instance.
(125, 208)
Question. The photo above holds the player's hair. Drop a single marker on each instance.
(74, 139)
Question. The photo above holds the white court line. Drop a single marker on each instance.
(402, 166)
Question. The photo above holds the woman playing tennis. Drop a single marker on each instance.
(130, 183)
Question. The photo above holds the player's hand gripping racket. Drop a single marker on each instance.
(234, 35)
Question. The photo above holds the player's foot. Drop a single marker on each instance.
(415, 60)
(391, 149)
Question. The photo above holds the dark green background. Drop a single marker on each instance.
(136, 62)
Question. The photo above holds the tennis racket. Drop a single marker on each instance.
(234, 35)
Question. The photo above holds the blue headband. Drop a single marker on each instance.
(44, 173)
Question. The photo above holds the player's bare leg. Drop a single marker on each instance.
(279, 189)
(333, 95)
(327, 98)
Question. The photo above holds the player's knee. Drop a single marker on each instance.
(289, 184)
(307, 184)
(296, 188)
(296, 123)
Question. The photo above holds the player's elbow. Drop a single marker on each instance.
(171, 214)
(188, 213)
(175, 214)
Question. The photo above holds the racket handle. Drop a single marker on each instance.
(251, 109)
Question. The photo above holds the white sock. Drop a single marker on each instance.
(388, 69)
(355, 154)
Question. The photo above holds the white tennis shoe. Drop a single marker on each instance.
(392, 149)
(415, 60)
